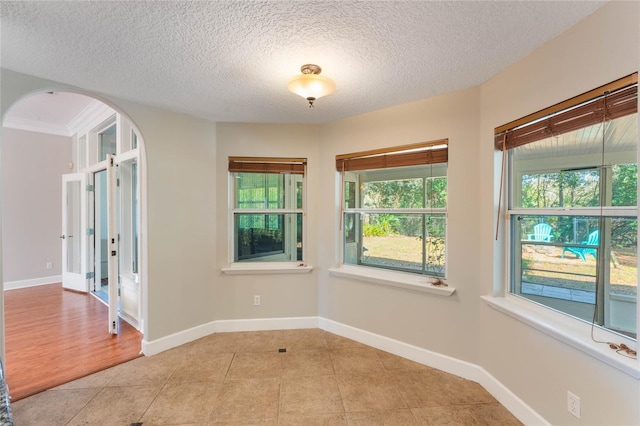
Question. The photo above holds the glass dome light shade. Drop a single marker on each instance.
(311, 86)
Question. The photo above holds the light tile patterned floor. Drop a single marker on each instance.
(242, 379)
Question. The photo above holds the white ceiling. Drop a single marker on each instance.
(230, 60)
(57, 113)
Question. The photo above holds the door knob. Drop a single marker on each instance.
(62, 236)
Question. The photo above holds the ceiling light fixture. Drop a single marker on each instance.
(311, 85)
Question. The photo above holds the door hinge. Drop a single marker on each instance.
(89, 188)
(90, 275)
(118, 182)
(90, 231)
(111, 161)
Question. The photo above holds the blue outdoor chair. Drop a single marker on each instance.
(593, 240)
(541, 232)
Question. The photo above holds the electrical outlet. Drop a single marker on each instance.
(49, 265)
(573, 404)
(256, 300)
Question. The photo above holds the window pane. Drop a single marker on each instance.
(107, 143)
(435, 227)
(260, 190)
(409, 242)
(583, 168)
(393, 194)
(436, 192)
(578, 188)
(268, 237)
(564, 262)
(625, 185)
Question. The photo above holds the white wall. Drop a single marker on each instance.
(180, 182)
(282, 295)
(32, 168)
(537, 368)
(446, 325)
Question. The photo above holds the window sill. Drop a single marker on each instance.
(571, 331)
(408, 281)
(267, 268)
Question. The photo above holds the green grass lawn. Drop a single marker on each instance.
(545, 265)
(541, 264)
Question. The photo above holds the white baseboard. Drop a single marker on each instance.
(423, 356)
(405, 350)
(12, 285)
(266, 324)
(160, 345)
(442, 362)
(511, 402)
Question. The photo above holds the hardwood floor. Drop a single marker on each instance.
(53, 336)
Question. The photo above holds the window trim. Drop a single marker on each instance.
(392, 278)
(566, 329)
(262, 268)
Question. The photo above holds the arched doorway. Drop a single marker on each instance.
(100, 210)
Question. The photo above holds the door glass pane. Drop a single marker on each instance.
(107, 142)
(101, 246)
(82, 152)
(73, 227)
(134, 205)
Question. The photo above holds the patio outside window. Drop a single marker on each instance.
(573, 218)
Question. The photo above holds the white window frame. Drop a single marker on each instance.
(393, 174)
(277, 263)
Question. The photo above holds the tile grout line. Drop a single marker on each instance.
(84, 406)
(161, 387)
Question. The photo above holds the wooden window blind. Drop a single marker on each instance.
(406, 155)
(607, 102)
(267, 165)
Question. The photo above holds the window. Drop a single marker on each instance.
(573, 184)
(267, 209)
(394, 208)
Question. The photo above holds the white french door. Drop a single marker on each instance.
(74, 225)
(91, 224)
(112, 244)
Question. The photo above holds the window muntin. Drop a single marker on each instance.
(267, 212)
(395, 218)
(583, 184)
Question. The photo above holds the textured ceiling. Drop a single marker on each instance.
(230, 60)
